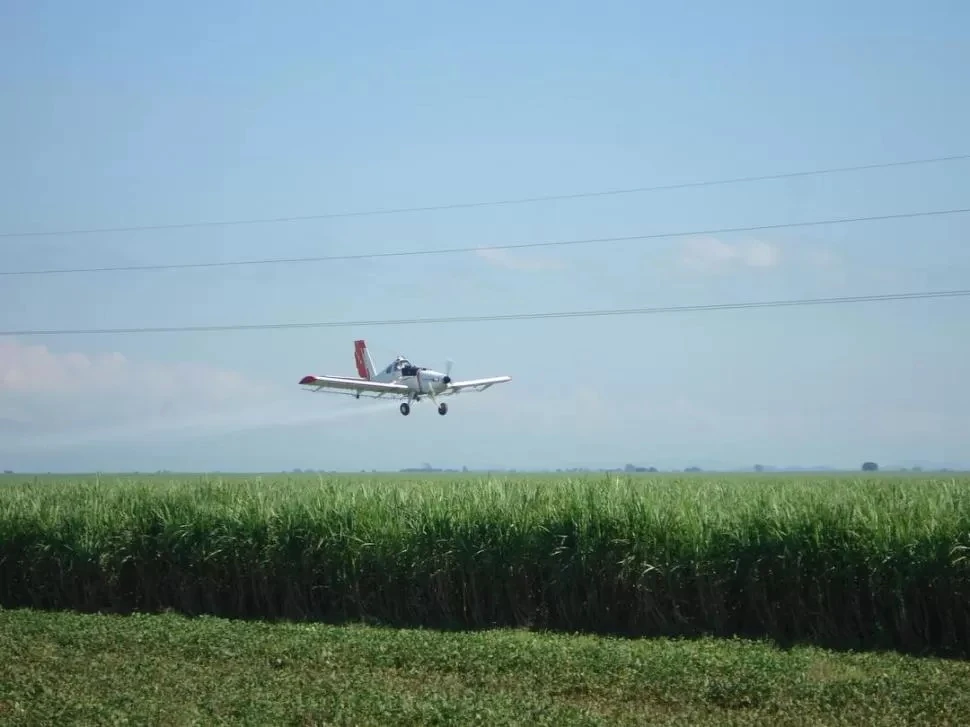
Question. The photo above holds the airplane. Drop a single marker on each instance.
(399, 378)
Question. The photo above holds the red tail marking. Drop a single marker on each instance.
(359, 347)
(308, 379)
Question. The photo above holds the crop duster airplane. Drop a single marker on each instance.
(398, 378)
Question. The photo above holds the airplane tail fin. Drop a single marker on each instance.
(365, 366)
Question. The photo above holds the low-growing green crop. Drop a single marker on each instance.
(857, 562)
(164, 669)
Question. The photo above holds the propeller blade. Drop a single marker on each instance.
(448, 364)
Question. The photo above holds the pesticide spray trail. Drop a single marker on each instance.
(201, 425)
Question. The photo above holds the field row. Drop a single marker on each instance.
(65, 668)
(841, 562)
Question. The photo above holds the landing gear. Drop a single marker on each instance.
(406, 407)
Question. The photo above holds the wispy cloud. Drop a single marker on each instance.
(36, 369)
(504, 259)
(45, 391)
(711, 255)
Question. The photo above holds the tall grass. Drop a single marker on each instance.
(843, 562)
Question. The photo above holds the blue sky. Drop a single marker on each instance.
(120, 116)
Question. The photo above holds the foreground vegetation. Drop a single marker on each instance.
(841, 561)
(59, 669)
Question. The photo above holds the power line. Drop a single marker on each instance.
(490, 203)
(510, 246)
(504, 317)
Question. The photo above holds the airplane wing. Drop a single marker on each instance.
(476, 384)
(352, 386)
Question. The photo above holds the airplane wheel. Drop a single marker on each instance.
(405, 409)
(442, 409)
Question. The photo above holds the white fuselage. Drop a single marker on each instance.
(419, 380)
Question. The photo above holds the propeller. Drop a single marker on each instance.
(447, 378)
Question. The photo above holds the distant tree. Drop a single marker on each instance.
(869, 467)
(759, 468)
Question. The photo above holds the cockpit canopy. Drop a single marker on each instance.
(400, 364)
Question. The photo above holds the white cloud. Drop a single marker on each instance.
(43, 390)
(709, 254)
(504, 259)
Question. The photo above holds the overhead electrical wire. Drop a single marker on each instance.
(509, 246)
(490, 203)
(842, 300)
